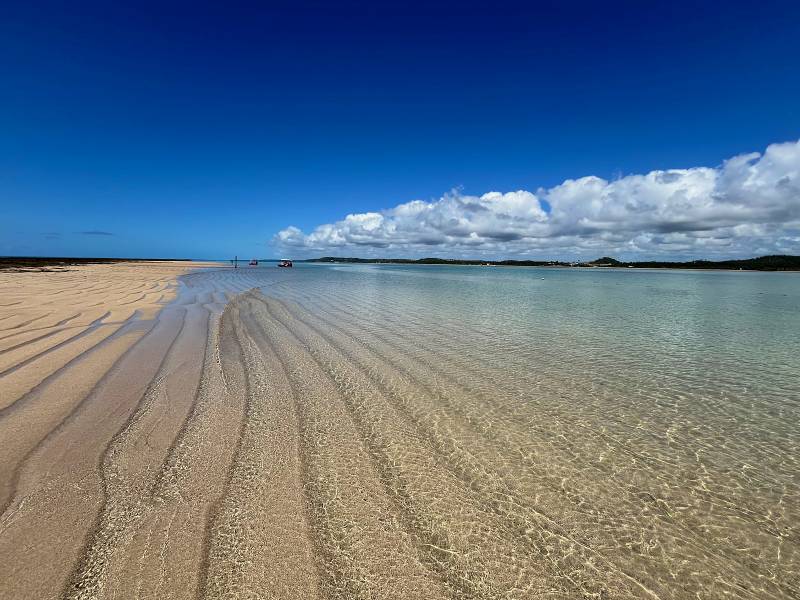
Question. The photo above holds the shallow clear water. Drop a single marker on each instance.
(655, 413)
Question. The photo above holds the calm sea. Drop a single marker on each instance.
(657, 411)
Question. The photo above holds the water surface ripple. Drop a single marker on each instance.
(605, 431)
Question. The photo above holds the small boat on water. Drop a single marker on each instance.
(253, 263)
(285, 262)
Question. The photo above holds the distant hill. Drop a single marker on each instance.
(762, 263)
(777, 262)
(606, 261)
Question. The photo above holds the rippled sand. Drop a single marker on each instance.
(297, 444)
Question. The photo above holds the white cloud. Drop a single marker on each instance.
(749, 205)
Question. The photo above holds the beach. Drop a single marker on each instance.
(99, 366)
(174, 430)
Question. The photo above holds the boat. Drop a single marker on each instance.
(285, 262)
(253, 263)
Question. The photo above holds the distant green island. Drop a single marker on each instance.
(777, 262)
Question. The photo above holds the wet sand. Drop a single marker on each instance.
(96, 362)
(233, 445)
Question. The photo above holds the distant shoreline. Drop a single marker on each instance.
(785, 263)
(44, 262)
(762, 263)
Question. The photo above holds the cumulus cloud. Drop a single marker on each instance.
(748, 205)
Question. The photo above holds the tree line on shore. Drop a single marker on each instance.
(777, 262)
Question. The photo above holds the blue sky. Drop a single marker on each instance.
(195, 130)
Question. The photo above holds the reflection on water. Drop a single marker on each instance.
(652, 415)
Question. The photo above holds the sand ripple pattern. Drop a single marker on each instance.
(274, 434)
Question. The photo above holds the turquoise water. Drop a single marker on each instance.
(655, 411)
(711, 334)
